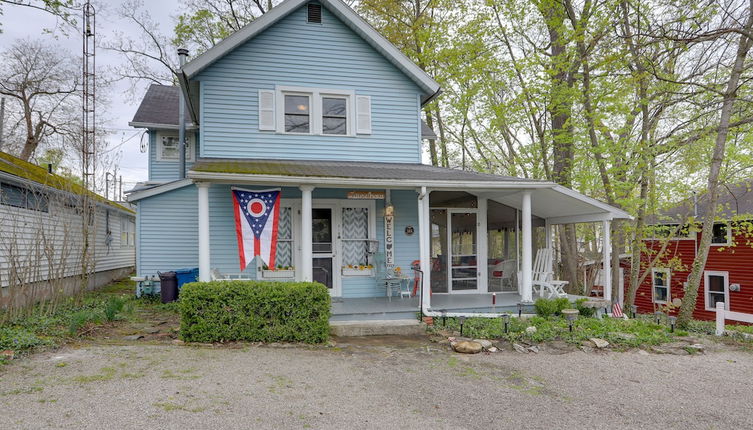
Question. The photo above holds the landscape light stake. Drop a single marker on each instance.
(570, 320)
(658, 315)
(520, 309)
(444, 317)
(672, 322)
(506, 317)
(462, 321)
(634, 309)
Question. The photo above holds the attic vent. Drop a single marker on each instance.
(315, 12)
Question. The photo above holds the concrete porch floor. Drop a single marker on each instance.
(382, 308)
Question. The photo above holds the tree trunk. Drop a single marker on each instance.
(730, 95)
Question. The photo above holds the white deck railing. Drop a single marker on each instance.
(723, 314)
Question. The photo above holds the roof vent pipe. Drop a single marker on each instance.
(182, 54)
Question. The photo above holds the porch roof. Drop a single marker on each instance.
(329, 171)
(558, 204)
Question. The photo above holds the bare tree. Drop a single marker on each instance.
(43, 81)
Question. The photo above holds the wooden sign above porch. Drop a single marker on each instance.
(366, 195)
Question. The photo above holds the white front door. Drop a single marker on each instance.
(462, 236)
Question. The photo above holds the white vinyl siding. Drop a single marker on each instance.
(25, 235)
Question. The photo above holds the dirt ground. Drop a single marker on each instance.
(370, 383)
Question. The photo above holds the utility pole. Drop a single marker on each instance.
(2, 121)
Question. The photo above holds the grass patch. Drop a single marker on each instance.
(49, 326)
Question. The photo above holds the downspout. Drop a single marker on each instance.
(182, 54)
(425, 309)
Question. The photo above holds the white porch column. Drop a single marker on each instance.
(549, 237)
(204, 254)
(424, 237)
(307, 248)
(527, 266)
(482, 251)
(606, 255)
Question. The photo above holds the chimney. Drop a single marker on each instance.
(182, 55)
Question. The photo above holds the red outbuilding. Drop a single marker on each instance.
(667, 258)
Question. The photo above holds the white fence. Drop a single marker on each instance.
(723, 314)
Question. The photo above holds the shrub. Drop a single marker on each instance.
(548, 307)
(81, 318)
(113, 306)
(254, 311)
(18, 339)
(584, 311)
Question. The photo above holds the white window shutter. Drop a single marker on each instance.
(363, 114)
(267, 110)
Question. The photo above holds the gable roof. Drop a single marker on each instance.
(24, 171)
(159, 107)
(734, 200)
(341, 11)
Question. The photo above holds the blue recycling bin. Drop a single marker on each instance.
(187, 275)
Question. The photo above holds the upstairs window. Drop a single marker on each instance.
(297, 113)
(334, 115)
(720, 234)
(300, 110)
(168, 150)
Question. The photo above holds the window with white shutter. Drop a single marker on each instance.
(363, 114)
(267, 110)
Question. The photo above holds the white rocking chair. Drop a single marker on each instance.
(542, 276)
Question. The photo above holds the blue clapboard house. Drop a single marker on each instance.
(312, 100)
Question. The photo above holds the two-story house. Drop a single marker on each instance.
(309, 98)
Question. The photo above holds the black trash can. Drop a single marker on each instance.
(168, 282)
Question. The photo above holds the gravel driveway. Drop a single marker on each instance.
(371, 383)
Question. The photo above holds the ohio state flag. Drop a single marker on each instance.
(257, 214)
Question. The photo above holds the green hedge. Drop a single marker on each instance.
(254, 311)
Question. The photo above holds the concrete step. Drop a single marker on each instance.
(405, 327)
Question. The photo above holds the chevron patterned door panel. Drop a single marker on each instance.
(285, 238)
(355, 227)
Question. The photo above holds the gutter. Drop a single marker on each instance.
(232, 178)
(136, 124)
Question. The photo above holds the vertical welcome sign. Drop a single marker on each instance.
(389, 232)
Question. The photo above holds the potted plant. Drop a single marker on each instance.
(358, 270)
(279, 272)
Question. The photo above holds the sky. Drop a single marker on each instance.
(23, 22)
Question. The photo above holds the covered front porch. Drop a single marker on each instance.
(467, 235)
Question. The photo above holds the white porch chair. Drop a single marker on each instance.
(542, 276)
(386, 277)
(506, 271)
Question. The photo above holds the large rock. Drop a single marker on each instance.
(520, 348)
(467, 347)
(531, 330)
(486, 344)
(600, 343)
